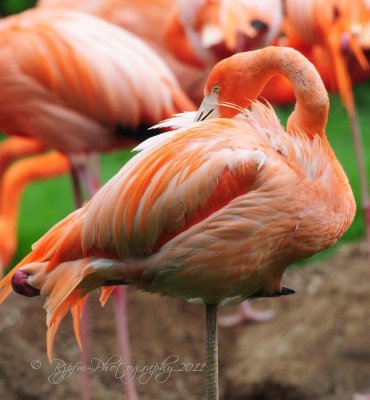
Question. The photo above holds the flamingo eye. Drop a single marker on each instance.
(216, 89)
(259, 25)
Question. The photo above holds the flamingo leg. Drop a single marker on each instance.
(361, 163)
(94, 178)
(85, 351)
(79, 181)
(77, 190)
(246, 313)
(212, 352)
(85, 174)
(120, 302)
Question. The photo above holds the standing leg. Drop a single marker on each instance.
(212, 352)
(85, 351)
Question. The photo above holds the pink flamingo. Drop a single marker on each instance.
(213, 212)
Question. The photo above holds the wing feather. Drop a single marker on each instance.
(158, 194)
(167, 187)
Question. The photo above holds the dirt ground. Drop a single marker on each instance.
(317, 346)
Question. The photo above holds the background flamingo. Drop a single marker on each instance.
(190, 35)
(329, 24)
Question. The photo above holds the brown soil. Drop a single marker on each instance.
(317, 347)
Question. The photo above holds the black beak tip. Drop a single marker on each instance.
(21, 286)
(285, 291)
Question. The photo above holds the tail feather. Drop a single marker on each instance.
(54, 321)
(57, 267)
(76, 311)
(62, 292)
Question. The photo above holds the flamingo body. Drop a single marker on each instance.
(214, 211)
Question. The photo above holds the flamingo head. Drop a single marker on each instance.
(231, 86)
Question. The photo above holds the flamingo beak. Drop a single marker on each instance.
(350, 41)
(209, 108)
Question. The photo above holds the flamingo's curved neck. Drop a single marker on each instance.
(256, 68)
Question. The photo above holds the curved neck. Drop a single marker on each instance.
(256, 68)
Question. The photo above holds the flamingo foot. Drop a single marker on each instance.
(246, 313)
(361, 397)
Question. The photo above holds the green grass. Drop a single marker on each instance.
(45, 203)
(8, 7)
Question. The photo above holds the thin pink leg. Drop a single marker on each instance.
(76, 186)
(120, 303)
(362, 168)
(78, 173)
(85, 351)
(246, 313)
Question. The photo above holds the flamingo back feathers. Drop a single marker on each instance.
(161, 188)
(47, 68)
